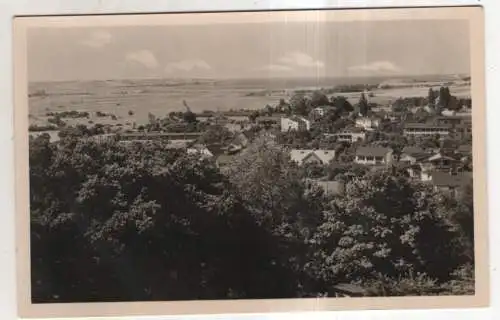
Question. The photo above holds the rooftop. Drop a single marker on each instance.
(372, 151)
(412, 150)
(444, 179)
(426, 125)
(324, 155)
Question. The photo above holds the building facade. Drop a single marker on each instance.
(373, 156)
(295, 124)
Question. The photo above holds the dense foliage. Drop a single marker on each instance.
(118, 222)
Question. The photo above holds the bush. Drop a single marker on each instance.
(383, 225)
(185, 231)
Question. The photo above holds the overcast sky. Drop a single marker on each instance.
(297, 49)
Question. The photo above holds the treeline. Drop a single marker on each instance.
(113, 222)
(440, 99)
(69, 114)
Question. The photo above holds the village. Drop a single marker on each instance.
(428, 139)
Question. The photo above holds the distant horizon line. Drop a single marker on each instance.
(253, 78)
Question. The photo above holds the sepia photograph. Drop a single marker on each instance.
(251, 156)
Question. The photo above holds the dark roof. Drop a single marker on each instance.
(455, 117)
(372, 151)
(445, 179)
(413, 150)
(426, 125)
(216, 149)
(418, 156)
(465, 148)
(268, 119)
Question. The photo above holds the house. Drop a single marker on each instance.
(373, 155)
(268, 120)
(454, 120)
(295, 124)
(320, 111)
(413, 170)
(450, 183)
(206, 151)
(412, 155)
(413, 150)
(441, 161)
(302, 156)
(462, 131)
(465, 150)
(396, 116)
(410, 158)
(53, 135)
(348, 135)
(367, 123)
(102, 138)
(424, 129)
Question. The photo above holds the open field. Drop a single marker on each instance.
(132, 100)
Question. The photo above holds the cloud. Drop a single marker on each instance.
(376, 67)
(97, 39)
(276, 67)
(293, 60)
(300, 59)
(187, 66)
(143, 57)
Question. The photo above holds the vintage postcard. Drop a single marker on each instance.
(250, 162)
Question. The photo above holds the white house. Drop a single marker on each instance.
(295, 124)
(303, 156)
(201, 150)
(373, 155)
(425, 130)
(348, 135)
(319, 111)
(367, 123)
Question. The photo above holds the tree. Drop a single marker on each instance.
(276, 194)
(319, 99)
(431, 97)
(268, 110)
(189, 117)
(216, 134)
(341, 104)
(444, 97)
(399, 105)
(253, 116)
(382, 225)
(421, 115)
(167, 216)
(77, 131)
(363, 105)
(282, 106)
(298, 104)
